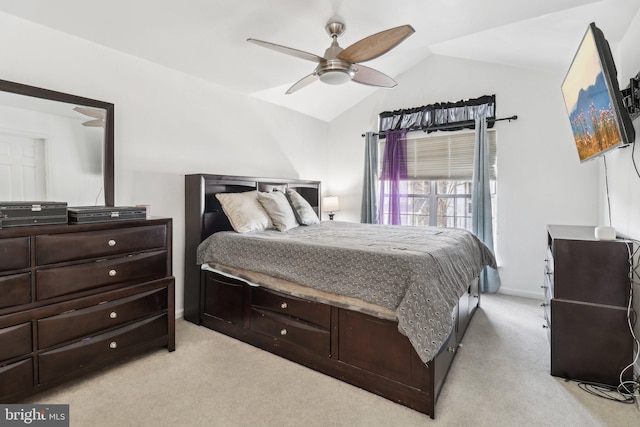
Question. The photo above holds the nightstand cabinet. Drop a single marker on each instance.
(75, 298)
(587, 289)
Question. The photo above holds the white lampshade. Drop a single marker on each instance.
(330, 204)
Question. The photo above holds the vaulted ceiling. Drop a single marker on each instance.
(207, 38)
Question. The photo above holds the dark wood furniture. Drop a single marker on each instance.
(587, 290)
(74, 298)
(354, 347)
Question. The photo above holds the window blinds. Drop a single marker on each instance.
(445, 156)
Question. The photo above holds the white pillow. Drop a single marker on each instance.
(279, 210)
(303, 210)
(244, 211)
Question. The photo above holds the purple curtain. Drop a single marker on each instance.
(393, 179)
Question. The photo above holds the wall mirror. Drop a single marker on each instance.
(55, 147)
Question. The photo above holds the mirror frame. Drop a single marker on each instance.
(108, 153)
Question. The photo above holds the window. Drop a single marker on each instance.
(440, 168)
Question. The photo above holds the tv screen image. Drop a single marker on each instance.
(598, 118)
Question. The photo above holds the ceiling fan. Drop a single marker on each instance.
(97, 114)
(339, 65)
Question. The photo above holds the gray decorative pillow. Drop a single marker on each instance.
(244, 211)
(279, 209)
(303, 210)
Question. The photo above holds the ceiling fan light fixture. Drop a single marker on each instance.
(338, 65)
(336, 77)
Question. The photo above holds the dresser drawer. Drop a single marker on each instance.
(52, 248)
(78, 323)
(15, 341)
(53, 282)
(14, 253)
(16, 378)
(312, 312)
(74, 357)
(287, 329)
(15, 290)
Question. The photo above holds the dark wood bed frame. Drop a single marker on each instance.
(357, 348)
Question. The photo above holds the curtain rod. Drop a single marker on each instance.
(453, 125)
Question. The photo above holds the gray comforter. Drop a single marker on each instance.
(419, 272)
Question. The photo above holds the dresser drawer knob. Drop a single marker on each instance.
(111, 242)
(113, 315)
(112, 273)
(113, 345)
(451, 349)
(283, 305)
(283, 332)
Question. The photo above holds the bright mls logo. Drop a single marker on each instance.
(36, 415)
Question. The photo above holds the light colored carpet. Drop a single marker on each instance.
(500, 377)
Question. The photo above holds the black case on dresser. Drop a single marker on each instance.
(74, 298)
(26, 214)
(587, 290)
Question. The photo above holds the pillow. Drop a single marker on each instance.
(244, 211)
(279, 210)
(303, 210)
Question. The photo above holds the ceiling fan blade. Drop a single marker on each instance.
(96, 113)
(287, 50)
(94, 123)
(369, 76)
(375, 45)
(303, 82)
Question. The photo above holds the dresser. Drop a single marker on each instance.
(587, 291)
(75, 298)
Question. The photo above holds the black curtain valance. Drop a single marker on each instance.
(440, 116)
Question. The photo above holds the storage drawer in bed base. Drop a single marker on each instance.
(390, 367)
(293, 331)
(418, 396)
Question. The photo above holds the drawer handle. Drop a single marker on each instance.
(451, 349)
(113, 315)
(544, 304)
(113, 345)
(112, 273)
(283, 305)
(283, 332)
(111, 242)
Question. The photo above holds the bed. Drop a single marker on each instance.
(329, 310)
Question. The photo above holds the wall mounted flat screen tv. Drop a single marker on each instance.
(599, 120)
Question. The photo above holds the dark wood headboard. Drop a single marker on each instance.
(204, 216)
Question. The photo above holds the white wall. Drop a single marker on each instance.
(167, 124)
(540, 179)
